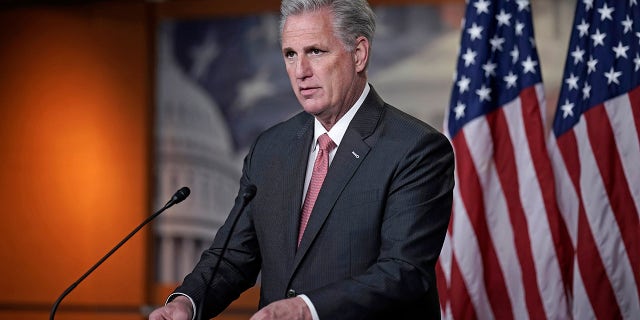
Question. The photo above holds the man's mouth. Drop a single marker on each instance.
(307, 91)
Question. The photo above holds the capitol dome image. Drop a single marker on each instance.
(193, 148)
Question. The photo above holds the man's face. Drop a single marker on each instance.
(322, 72)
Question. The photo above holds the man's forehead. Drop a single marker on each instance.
(308, 27)
(308, 20)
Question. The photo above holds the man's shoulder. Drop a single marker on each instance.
(406, 124)
(297, 122)
(284, 131)
(375, 107)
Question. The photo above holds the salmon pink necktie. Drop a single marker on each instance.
(320, 168)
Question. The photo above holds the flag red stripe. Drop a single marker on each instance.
(634, 98)
(461, 305)
(532, 119)
(471, 193)
(606, 154)
(450, 226)
(594, 276)
(505, 160)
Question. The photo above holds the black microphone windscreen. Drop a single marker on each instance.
(180, 195)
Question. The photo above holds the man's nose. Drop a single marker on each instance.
(303, 68)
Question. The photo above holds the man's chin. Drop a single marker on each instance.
(313, 109)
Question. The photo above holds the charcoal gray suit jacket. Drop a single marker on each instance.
(375, 232)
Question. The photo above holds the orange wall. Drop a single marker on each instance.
(74, 164)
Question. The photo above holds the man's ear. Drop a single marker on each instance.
(361, 53)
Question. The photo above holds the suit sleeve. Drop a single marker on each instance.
(417, 213)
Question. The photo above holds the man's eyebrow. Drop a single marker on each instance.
(305, 48)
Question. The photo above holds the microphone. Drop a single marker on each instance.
(177, 197)
(247, 195)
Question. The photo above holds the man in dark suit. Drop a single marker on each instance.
(353, 196)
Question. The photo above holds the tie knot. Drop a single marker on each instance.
(326, 143)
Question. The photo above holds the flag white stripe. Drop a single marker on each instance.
(605, 228)
(447, 314)
(498, 220)
(444, 261)
(542, 103)
(467, 253)
(581, 304)
(624, 130)
(548, 278)
(446, 256)
(568, 202)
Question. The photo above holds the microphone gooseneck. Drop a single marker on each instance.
(177, 197)
(248, 194)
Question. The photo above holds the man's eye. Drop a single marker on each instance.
(289, 54)
(316, 51)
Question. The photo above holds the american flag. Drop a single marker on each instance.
(504, 253)
(595, 152)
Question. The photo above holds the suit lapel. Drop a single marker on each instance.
(352, 151)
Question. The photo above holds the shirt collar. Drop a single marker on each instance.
(340, 128)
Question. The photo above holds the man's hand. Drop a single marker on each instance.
(178, 309)
(288, 309)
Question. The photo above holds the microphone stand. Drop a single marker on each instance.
(180, 195)
(249, 193)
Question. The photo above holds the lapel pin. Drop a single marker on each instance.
(355, 154)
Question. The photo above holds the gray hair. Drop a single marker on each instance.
(352, 18)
